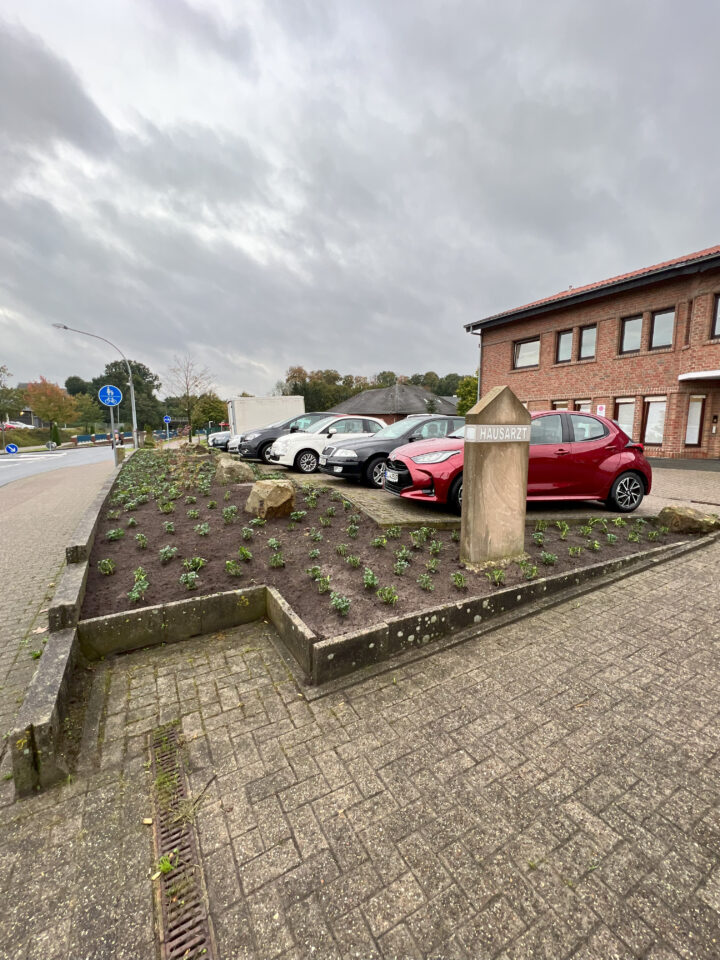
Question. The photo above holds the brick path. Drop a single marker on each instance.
(38, 516)
(549, 791)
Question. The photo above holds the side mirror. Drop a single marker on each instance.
(413, 437)
(294, 429)
(331, 431)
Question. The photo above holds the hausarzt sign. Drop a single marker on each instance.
(497, 433)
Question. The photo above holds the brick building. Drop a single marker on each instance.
(642, 348)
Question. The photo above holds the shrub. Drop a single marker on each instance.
(388, 595)
(116, 534)
(323, 584)
(229, 514)
(234, 568)
(167, 554)
(276, 560)
(370, 580)
(340, 604)
(352, 561)
(244, 554)
(190, 580)
(202, 529)
(378, 542)
(496, 576)
(425, 582)
(194, 563)
(106, 567)
(549, 559)
(459, 580)
(141, 540)
(169, 526)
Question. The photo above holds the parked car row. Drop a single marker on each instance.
(573, 455)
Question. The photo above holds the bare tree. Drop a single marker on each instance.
(187, 380)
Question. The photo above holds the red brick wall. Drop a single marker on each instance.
(611, 375)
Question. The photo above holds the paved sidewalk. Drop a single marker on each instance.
(37, 518)
(551, 790)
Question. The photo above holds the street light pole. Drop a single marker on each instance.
(63, 326)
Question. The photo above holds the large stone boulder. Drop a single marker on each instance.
(233, 471)
(271, 498)
(687, 520)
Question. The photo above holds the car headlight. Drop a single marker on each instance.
(437, 456)
(345, 454)
(251, 436)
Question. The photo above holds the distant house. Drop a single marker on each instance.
(396, 402)
(26, 415)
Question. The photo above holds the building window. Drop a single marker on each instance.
(654, 421)
(583, 406)
(563, 346)
(693, 430)
(631, 334)
(560, 404)
(715, 332)
(662, 326)
(625, 414)
(526, 353)
(588, 336)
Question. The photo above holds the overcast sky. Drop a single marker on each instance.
(336, 183)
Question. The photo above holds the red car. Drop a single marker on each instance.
(573, 456)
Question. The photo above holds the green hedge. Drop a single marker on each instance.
(33, 438)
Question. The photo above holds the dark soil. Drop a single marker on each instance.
(108, 594)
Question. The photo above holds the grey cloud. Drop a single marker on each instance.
(200, 27)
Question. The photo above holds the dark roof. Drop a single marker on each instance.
(401, 398)
(690, 263)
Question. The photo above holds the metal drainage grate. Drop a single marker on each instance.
(185, 929)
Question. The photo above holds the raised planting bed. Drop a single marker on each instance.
(339, 571)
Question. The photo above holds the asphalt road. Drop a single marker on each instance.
(19, 466)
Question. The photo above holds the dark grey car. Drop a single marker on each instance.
(255, 444)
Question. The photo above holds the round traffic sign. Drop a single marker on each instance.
(166, 419)
(11, 448)
(110, 396)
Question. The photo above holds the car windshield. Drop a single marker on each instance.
(458, 434)
(321, 425)
(394, 430)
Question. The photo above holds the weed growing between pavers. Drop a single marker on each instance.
(411, 569)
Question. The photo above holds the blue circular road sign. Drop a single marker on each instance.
(11, 448)
(110, 396)
(166, 419)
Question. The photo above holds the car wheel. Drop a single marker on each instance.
(306, 461)
(455, 495)
(375, 472)
(264, 452)
(626, 493)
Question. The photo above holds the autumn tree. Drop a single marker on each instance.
(50, 402)
(188, 381)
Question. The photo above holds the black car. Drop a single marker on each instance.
(255, 444)
(364, 459)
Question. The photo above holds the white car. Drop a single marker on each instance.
(16, 425)
(301, 451)
(234, 443)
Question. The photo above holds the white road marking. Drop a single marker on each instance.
(10, 459)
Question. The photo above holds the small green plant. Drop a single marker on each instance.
(330, 512)
(190, 500)
(403, 553)
(194, 563)
(353, 530)
(496, 576)
(258, 522)
(190, 580)
(354, 518)
(229, 514)
(140, 585)
(169, 526)
(312, 499)
(663, 531)
(634, 536)
(325, 522)
(166, 507)
(193, 514)
(586, 530)
(598, 522)
(202, 529)
(399, 567)
(459, 580)
(347, 505)
(112, 514)
(538, 538)
(619, 521)
(247, 533)
(212, 504)
(106, 567)
(141, 540)
(274, 544)
(340, 604)
(314, 554)
(227, 496)
(611, 537)
(388, 595)
(378, 542)
(167, 554)
(370, 580)
(36, 654)
(393, 533)
(593, 545)
(276, 560)
(132, 522)
(433, 565)
(540, 525)
(575, 551)
(244, 554)
(564, 528)
(529, 570)
(435, 548)
(639, 522)
(233, 567)
(352, 561)
(323, 584)
(549, 559)
(653, 535)
(315, 535)
(341, 549)
(314, 572)
(297, 515)
(425, 582)
(416, 540)
(115, 534)
(455, 536)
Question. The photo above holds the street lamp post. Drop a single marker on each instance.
(63, 326)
